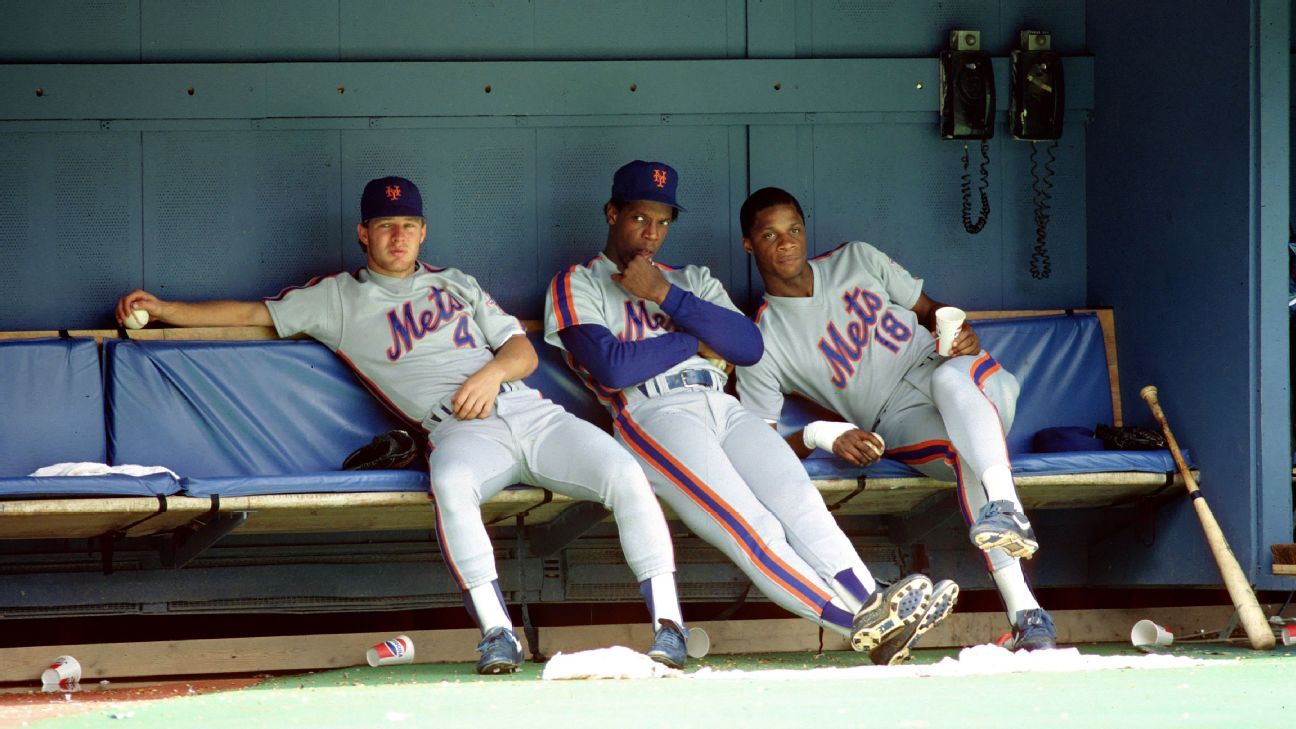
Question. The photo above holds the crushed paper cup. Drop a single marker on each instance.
(64, 668)
(1289, 634)
(392, 652)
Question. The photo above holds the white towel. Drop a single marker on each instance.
(89, 468)
(615, 662)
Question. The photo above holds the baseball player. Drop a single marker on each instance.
(849, 331)
(652, 342)
(437, 350)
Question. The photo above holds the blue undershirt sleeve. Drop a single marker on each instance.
(732, 335)
(616, 364)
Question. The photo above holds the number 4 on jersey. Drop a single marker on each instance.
(462, 337)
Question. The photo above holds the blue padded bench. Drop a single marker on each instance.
(257, 427)
(260, 428)
(52, 405)
(1062, 364)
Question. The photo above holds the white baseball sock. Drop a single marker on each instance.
(1016, 594)
(489, 606)
(998, 483)
(663, 599)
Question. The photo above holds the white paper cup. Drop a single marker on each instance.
(949, 320)
(64, 668)
(698, 643)
(1147, 634)
(392, 652)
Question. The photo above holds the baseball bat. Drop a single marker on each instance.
(1239, 588)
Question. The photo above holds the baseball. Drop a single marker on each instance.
(136, 320)
(877, 451)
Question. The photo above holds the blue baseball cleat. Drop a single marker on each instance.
(1000, 525)
(1034, 631)
(890, 611)
(896, 649)
(501, 652)
(669, 646)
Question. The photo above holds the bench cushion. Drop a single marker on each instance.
(61, 487)
(51, 404)
(238, 409)
(1060, 362)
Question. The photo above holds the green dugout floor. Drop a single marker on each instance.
(1240, 688)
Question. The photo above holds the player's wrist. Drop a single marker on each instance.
(661, 293)
(822, 434)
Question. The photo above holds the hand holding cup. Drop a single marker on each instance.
(949, 322)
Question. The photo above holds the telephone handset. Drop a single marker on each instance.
(967, 110)
(1035, 113)
(1038, 101)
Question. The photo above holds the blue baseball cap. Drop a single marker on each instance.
(639, 180)
(389, 197)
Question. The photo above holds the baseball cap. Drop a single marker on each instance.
(388, 197)
(640, 180)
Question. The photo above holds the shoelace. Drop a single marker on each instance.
(491, 638)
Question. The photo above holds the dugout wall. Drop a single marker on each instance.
(205, 150)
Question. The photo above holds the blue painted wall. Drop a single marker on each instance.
(120, 178)
(1188, 201)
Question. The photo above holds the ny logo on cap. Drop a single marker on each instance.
(393, 192)
(659, 177)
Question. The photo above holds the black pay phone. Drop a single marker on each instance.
(967, 102)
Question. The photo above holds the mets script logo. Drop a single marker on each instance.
(659, 177)
(843, 353)
(408, 327)
(637, 318)
(393, 192)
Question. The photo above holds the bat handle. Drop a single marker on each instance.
(1149, 395)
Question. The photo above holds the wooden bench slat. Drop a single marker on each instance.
(395, 511)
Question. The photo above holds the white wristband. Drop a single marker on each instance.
(822, 434)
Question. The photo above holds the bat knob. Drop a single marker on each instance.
(1148, 393)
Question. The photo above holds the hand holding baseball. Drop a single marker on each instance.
(136, 308)
(859, 447)
(844, 440)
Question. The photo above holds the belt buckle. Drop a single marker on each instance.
(701, 375)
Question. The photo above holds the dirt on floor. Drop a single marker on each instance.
(22, 706)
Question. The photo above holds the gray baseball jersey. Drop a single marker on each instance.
(729, 476)
(845, 347)
(586, 294)
(415, 341)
